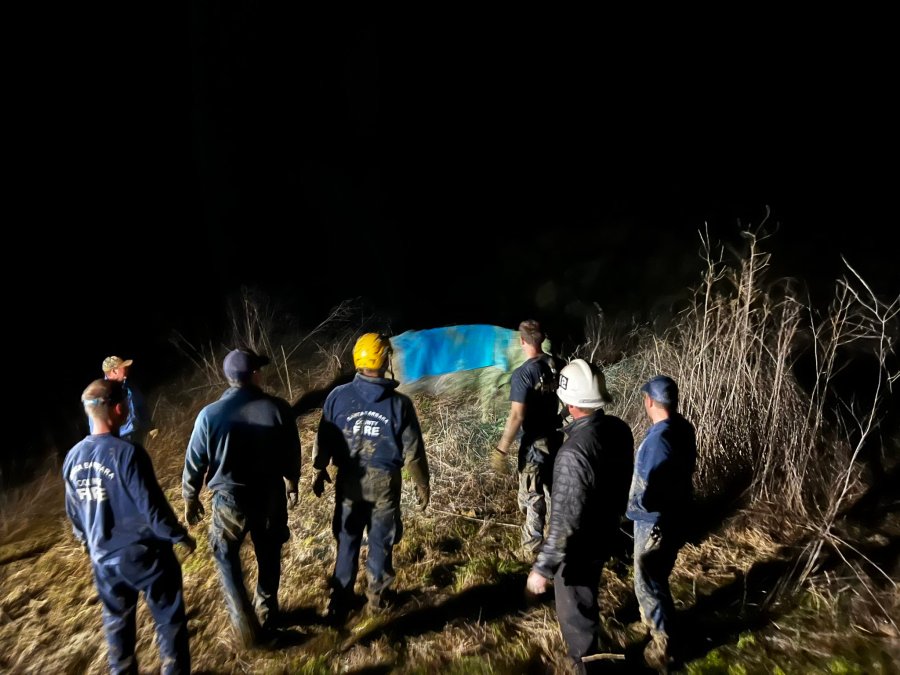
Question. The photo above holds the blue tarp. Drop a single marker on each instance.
(437, 351)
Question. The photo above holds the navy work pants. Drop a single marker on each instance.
(155, 572)
(367, 501)
(575, 587)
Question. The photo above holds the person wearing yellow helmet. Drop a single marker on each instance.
(371, 351)
(370, 432)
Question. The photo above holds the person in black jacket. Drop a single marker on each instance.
(591, 478)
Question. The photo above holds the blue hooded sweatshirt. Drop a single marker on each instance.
(366, 423)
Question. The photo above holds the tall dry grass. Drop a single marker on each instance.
(759, 369)
(736, 351)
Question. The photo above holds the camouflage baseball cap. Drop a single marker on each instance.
(112, 362)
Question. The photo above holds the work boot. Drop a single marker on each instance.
(269, 619)
(379, 602)
(657, 654)
(338, 608)
(336, 614)
(267, 611)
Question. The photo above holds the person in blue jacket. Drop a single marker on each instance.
(122, 519)
(247, 448)
(370, 432)
(138, 424)
(659, 503)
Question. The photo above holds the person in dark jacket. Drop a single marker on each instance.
(534, 409)
(121, 517)
(137, 425)
(247, 448)
(590, 491)
(370, 432)
(659, 503)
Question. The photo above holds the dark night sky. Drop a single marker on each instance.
(449, 171)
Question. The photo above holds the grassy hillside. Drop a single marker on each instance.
(792, 566)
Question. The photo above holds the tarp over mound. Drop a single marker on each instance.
(438, 351)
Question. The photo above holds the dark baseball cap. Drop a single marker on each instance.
(661, 388)
(241, 363)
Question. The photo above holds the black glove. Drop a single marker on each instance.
(318, 486)
(423, 496)
(290, 488)
(193, 511)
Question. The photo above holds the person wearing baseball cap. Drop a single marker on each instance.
(138, 423)
(659, 504)
(246, 448)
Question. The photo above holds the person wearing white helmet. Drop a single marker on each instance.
(591, 477)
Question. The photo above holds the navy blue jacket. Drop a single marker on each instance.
(243, 444)
(367, 423)
(113, 498)
(662, 488)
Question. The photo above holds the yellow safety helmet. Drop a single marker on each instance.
(371, 350)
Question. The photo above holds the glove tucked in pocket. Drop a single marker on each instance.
(538, 452)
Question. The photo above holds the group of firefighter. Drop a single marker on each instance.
(578, 476)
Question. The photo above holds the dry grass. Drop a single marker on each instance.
(787, 582)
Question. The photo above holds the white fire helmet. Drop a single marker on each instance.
(582, 385)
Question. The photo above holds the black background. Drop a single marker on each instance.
(447, 169)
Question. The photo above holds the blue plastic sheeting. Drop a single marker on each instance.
(437, 351)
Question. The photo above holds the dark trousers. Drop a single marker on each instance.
(267, 527)
(655, 551)
(367, 501)
(575, 588)
(155, 572)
